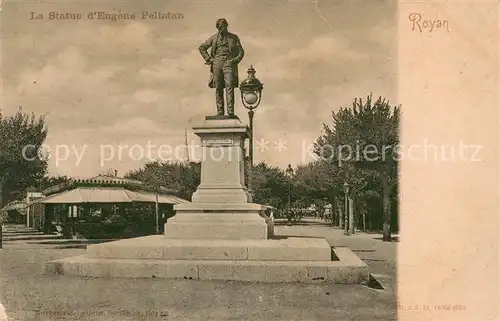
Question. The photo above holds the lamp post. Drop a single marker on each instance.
(346, 211)
(289, 174)
(251, 94)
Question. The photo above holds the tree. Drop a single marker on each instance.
(46, 182)
(309, 182)
(269, 185)
(360, 146)
(152, 179)
(21, 166)
(181, 176)
(378, 125)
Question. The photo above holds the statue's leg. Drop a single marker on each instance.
(219, 86)
(219, 100)
(228, 82)
(230, 100)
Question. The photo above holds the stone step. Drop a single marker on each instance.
(27, 237)
(160, 247)
(345, 272)
(30, 232)
(21, 232)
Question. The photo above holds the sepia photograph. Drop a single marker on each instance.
(201, 160)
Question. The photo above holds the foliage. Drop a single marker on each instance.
(317, 180)
(269, 185)
(359, 148)
(181, 176)
(46, 182)
(21, 166)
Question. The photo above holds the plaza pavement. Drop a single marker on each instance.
(27, 294)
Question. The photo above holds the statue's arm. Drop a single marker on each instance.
(240, 51)
(204, 49)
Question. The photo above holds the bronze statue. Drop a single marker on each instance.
(225, 54)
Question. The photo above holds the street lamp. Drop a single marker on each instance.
(346, 222)
(289, 174)
(251, 94)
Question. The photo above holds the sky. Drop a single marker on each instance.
(116, 93)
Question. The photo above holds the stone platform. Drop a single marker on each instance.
(273, 260)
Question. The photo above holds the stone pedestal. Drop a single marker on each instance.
(221, 207)
(223, 162)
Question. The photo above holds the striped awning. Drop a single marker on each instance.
(108, 195)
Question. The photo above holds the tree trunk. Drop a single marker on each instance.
(1, 192)
(157, 215)
(386, 201)
(334, 212)
(2, 180)
(48, 217)
(341, 217)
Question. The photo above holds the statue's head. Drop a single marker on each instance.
(221, 25)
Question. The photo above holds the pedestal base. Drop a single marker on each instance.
(217, 194)
(221, 117)
(279, 260)
(230, 221)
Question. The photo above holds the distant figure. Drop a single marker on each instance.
(225, 54)
(272, 215)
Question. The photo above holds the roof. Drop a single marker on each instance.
(113, 179)
(103, 181)
(81, 195)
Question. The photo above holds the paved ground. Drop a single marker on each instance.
(26, 294)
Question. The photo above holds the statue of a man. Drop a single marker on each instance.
(225, 54)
